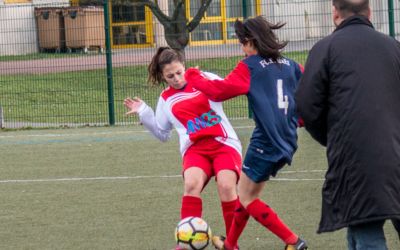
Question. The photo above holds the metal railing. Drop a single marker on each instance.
(66, 66)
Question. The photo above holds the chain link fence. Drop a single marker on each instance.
(69, 64)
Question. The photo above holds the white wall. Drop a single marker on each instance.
(312, 18)
(17, 30)
(18, 27)
(304, 18)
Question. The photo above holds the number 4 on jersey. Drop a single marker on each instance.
(283, 100)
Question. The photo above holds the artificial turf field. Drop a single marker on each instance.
(119, 188)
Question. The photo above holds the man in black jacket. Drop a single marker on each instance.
(349, 99)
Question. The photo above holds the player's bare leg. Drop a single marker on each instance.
(248, 190)
(226, 182)
(194, 181)
(227, 186)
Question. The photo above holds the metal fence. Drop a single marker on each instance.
(64, 64)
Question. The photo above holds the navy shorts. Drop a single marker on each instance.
(258, 165)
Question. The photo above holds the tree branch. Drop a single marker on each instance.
(199, 15)
(164, 19)
(177, 10)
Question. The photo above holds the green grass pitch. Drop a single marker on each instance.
(119, 188)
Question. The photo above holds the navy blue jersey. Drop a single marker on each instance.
(271, 99)
(270, 88)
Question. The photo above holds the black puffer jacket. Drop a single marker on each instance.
(349, 99)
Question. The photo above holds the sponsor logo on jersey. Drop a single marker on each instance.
(265, 62)
(206, 120)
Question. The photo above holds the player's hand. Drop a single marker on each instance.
(133, 105)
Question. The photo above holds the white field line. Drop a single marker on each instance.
(114, 178)
(91, 134)
(74, 134)
(294, 179)
(302, 171)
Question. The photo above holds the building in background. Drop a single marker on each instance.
(136, 26)
(18, 33)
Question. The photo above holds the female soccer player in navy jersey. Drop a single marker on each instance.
(269, 80)
(208, 143)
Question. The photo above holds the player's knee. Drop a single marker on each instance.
(193, 186)
(226, 188)
(245, 199)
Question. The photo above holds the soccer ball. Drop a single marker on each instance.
(192, 233)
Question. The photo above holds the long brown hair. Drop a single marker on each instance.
(260, 33)
(163, 56)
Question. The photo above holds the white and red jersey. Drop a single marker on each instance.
(192, 114)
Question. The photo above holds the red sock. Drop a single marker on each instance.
(191, 206)
(239, 222)
(228, 210)
(267, 217)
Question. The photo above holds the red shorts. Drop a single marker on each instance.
(212, 156)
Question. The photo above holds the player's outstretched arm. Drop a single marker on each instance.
(158, 125)
(235, 84)
(133, 105)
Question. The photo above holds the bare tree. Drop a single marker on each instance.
(176, 27)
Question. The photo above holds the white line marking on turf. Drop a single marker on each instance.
(90, 178)
(302, 171)
(112, 178)
(91, 134)
(76, 134)
(290, 179)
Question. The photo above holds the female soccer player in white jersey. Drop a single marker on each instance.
(269, 80)
(208, 143)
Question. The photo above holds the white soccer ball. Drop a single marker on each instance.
(192, 233)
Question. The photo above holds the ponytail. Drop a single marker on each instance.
(163, 56)
(261, 34)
